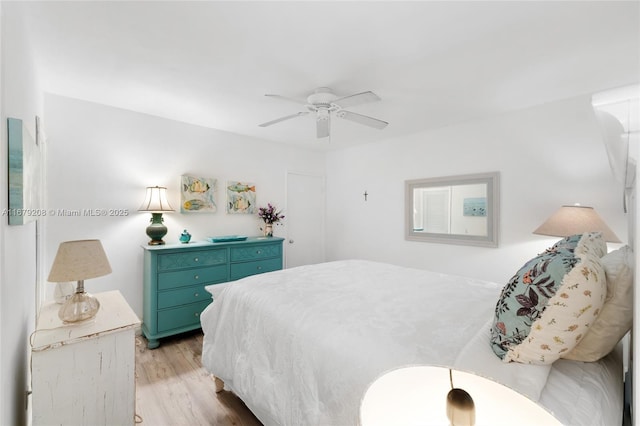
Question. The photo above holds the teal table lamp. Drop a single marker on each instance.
(156, 203)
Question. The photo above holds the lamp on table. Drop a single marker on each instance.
(576, 219)
(156, 203)
(77, 261)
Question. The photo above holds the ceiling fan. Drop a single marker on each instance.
(324, 102)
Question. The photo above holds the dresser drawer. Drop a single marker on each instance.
(168, 299)
(181, 317)
(190, 259)
(241, 270)
(256, 252)
(189, 277)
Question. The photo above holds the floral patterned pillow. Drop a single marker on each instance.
(571, 242)
(547, 307)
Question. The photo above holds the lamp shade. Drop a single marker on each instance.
(571, 220)
(79, 260)
(155, 200)
(420, 395)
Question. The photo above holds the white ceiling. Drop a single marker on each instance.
(432, 63)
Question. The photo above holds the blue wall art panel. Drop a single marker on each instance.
(474, 206)
(24, 175)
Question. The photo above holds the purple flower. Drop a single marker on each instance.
(270, 214)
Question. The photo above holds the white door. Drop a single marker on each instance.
(304, 213)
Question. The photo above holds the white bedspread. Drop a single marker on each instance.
(301, 346)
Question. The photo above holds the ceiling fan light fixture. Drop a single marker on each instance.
(321, 96)
(322, 114)
(323, 102)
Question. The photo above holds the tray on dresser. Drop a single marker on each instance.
(227, 238)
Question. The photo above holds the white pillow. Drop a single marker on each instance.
(616, 316)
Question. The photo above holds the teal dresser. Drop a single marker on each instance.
(175, 276)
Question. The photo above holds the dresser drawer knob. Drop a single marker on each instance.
(197, 314)
(259, 268)
(196, 295)
(197, 277)
(196, 259)
(258, 251)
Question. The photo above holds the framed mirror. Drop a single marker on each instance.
(454, 209)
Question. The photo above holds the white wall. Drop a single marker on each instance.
(547, 156)
(634, 236)
(100, 157)
(21, 98)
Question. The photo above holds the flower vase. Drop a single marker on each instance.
(268, 230)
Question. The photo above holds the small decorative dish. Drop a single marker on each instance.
(227, 238)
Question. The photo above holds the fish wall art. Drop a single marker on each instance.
(197, 195)
(241, 197)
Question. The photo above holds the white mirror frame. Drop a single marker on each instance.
(492, 180)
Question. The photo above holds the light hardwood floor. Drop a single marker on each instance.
(173, 389)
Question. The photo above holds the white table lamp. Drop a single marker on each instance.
(576, 219)
(78, 261)
(422, 395)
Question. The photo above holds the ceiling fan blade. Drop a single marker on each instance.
(357, 99)
(362, 119)
(322, 127)
(284, 98)
(277, 120)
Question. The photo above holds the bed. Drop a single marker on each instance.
(301, 346)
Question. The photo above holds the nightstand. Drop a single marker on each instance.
(84, 373)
